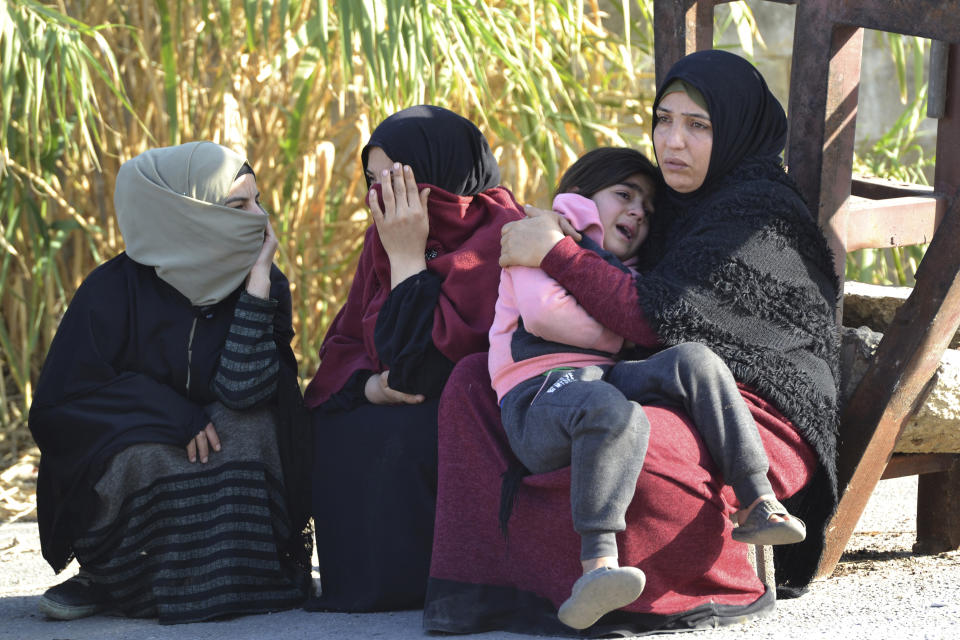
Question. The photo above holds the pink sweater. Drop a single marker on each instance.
(548, 311)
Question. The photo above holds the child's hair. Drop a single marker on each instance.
(602, 167)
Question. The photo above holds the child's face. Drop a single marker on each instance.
(623, 209)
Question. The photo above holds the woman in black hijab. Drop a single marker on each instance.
(761, 260)
(422, 298)
(737, 263)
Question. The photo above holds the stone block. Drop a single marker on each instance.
(873, 306)
(935, 427)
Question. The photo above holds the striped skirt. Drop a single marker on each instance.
(186, 542)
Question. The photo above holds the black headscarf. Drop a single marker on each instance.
(747, 119)
(443, 148)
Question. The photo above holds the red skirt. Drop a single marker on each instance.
(678, 527)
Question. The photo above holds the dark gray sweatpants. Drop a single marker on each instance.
(591, 419)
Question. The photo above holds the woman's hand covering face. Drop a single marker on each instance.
(245, 196)
(403, 223)
(525, 243)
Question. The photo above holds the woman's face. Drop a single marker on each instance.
(377, 163)
(683, 140)
(244, 195)
(623, 210)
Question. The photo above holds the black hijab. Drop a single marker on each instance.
(747, 119)
(443, 148)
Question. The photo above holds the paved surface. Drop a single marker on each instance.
(880, 590)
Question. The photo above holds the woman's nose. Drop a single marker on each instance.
(674, 137)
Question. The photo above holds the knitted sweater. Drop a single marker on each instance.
(746, 271)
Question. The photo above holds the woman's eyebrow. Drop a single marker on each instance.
(239, 199)
(692, 114)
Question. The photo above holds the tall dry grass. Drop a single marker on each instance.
(296, 86)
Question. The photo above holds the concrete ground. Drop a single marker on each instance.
(879, 590)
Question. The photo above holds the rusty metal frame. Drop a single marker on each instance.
(855, 214)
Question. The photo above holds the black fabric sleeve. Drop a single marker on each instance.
(87, 397)
(404, 336)
(352, 394)
(248, 368)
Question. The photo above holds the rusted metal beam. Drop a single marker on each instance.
(935, 19)
(937, 529)
(937, 83)
(892, 222)
(911, 464)
(680, 27)
(938, 501)
(903, 366)
(947, 172)
(880, 188)
(824, 84)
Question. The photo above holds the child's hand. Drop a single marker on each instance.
(403, 223)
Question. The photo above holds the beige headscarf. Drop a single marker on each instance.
(169, 204)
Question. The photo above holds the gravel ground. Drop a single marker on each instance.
(879, 590)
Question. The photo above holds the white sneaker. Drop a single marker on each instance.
(599, 592)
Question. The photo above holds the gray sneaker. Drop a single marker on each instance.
(77, 597)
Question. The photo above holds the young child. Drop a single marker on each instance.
(566, 399)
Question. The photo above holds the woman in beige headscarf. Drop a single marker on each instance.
(168, 412)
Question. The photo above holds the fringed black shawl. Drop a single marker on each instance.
(747, 272)
(744, 269)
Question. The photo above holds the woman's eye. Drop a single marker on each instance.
(700, 125)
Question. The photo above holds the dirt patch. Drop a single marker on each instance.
(18, 487)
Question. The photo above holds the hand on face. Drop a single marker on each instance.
(245, 196)
(403, 223)
(683, 140)
(267, 251)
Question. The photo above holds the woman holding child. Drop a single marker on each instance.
(735, 262)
